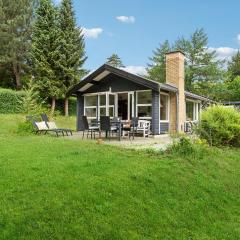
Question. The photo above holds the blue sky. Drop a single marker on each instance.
(133, 28)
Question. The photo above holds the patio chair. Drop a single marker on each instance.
(90, 128)
(131, 127)
(105, 125)
(52, 125)
(41, 127)
(143, 127)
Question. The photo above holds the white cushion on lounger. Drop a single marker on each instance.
(52, 125)
(41, 126)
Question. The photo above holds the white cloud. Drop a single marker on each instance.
(238, 38)
(126, 19)
(92, 32)
(224, 53)
(138, 70)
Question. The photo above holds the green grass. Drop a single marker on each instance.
(55, 188)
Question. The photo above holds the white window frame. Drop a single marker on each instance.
(111, 106)
(102, 106)
(196, 111)
(142, 105)
(89, 107)
(168, 107)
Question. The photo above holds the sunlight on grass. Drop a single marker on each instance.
(53, 188)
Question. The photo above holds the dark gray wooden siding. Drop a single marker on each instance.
(80, 111)
(164, 127)
(116, 83)
(155, 112)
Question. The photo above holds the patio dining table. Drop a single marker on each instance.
(119, 124)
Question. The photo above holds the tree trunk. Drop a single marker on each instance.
(16, 71)
(53, 105)
(66, 107)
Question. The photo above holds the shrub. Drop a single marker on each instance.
(182, 146)
(9, 101)
(30, 103)
(220, 125)
(185, 147)
(25, 128)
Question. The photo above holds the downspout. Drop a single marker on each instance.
(177, 115)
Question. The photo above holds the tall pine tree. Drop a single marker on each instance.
(115, 61)
(157, 68)
(72, 50)
(16, 18)
(234, 66)
(202, 69)
(45, 52)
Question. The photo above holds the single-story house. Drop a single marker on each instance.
(115, 92)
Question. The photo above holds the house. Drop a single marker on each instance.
(116, 93)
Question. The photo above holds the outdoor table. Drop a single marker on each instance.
(118, 124)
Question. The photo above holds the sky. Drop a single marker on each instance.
(134, 28)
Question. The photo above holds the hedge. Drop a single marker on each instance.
(9, 100)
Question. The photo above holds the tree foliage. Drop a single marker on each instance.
(115, 61)
(202, 69)
(45, 52)
(71, 50)
(234, 66)
(157, 68)
(16, 17)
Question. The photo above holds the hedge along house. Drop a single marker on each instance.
(113, 92)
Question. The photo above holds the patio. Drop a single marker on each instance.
(156, 143)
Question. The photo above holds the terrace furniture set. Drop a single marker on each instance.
(115, 126)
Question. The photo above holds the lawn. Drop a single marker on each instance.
(55, 188)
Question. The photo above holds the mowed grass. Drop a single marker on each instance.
(56, 188)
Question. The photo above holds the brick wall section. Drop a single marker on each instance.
(173, 113)
(175, 76)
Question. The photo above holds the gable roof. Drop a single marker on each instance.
(106, 69)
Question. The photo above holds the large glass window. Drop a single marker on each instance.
(111, 105)
(144, 104)
(102, 105)
(192, 110)
(90, 101)
(144, 97)
(90, 106)
(164, 107)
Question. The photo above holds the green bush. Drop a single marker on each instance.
(186, 147)
(220, 126)
(9, 101)
(25, 128)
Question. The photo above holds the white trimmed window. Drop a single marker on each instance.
(90, 106)
(102, 103)
(164, 107)
(111, 105)
(192, 110)
(144, 104)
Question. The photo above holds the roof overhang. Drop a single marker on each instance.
(96, 76)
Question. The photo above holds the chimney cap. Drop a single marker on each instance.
(177, 51)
